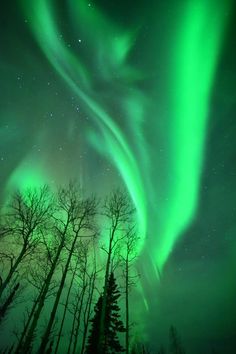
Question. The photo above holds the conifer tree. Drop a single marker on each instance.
(112, 326)
(92, 346)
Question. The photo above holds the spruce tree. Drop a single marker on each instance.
(92, 346)
(112, 324)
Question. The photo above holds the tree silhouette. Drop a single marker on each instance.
(80, 215)
(53, 233)
(24, 220)
(8, 302)
(129, 246)
(118, 212)
(112, 326)
(175, 342)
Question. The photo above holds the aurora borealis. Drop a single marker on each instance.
(140, 95)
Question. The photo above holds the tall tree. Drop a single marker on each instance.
(118, 212)
(66, 306)
(82, 213)
(129, 254)
(87, 311)
(112, 326)
(26, 215)
(86, 284)
(4, 308)
(58, 233)
(92, 346)
(37, 275)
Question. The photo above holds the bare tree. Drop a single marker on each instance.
(39, 268)
(83, 254)
(26, 216)
(66, 306)
(56, 235)
(77, 308)
(59, 234)
(118, 212)
(27, 322)
(129, 255)
(4, 308)
(92, 275)
(80, 213)
(88, 308)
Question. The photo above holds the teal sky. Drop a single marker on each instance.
(141, 96)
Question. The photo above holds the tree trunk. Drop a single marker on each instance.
(78, 321)
(73, 324)
(104, 300)
(13, 269)
(87, 313)
(127, 306)
(48, 330)
(9, 300)
(23, 334)
(30, 335)
(65, 308)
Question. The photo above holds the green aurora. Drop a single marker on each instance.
(128, 99)
(189, 107)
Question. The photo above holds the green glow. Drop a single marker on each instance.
(111, 45)
(27, 175)
(197, 47)
(43, 24)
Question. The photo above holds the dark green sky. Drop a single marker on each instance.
(142, 94)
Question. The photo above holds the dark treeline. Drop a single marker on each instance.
(61, 256)
(66, 270)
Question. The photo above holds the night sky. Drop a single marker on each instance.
(140, 94)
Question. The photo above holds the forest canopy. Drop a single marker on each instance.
(67, 269)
